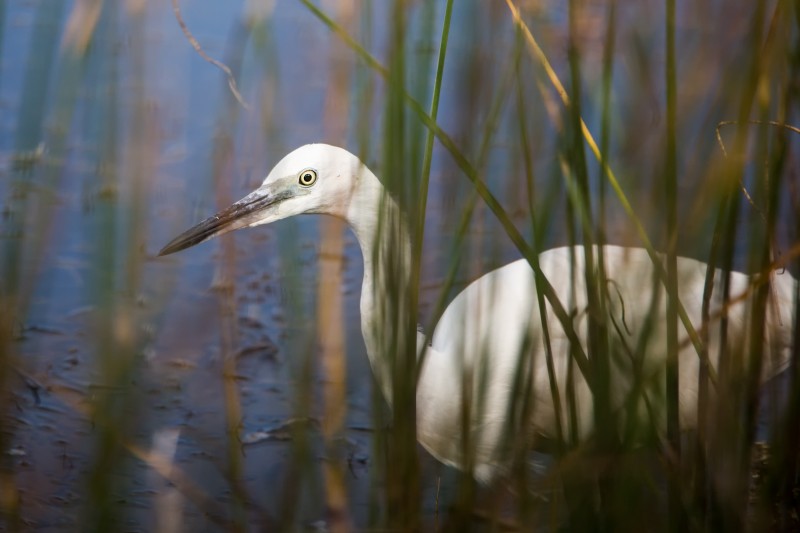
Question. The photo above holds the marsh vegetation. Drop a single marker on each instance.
(227, 388)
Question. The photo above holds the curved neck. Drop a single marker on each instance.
(385, 244)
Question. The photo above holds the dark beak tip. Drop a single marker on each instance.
(195, 235)
(174, 246)
(218, 224)
(168, 249)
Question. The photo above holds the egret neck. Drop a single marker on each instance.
(382, 233)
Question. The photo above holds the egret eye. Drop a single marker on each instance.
(308, 177)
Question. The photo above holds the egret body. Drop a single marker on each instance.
(491, 333)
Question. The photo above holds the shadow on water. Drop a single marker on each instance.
(201, 391)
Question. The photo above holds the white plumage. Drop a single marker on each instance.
(492, 331)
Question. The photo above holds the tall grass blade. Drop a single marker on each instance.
(676, 513)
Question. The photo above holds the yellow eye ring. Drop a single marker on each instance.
(307, 177)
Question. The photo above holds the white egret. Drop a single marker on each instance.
(492, 331)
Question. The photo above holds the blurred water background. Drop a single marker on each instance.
(186, 392)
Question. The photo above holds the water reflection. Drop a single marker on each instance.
(117, 135)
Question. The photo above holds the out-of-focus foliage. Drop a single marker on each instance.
(227, 387)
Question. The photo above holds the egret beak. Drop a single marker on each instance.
(246, 212)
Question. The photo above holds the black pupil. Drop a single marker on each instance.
(307, 177)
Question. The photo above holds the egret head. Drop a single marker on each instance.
(316, 178)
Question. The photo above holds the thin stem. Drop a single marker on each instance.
(677, 518)
(426, 162)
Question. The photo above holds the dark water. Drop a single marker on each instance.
(110, 151)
